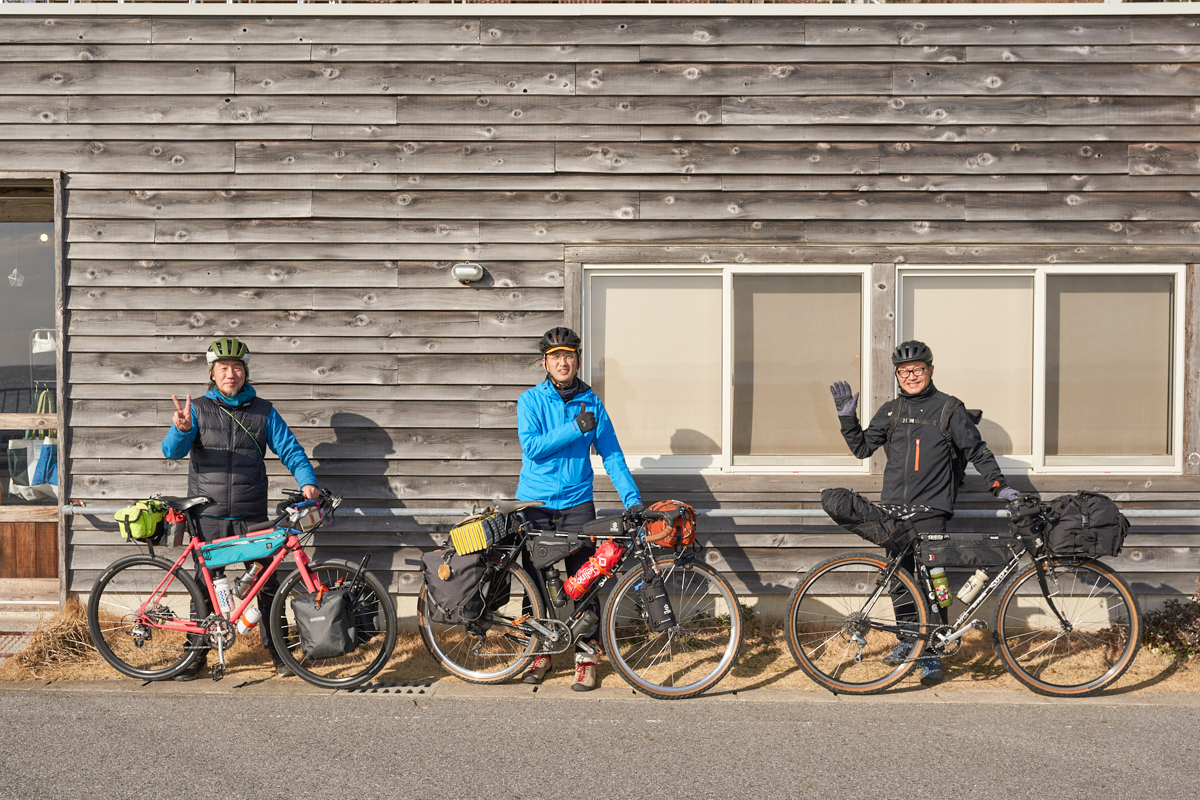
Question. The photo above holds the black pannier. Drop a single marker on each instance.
(968, 549)
(1086, 524)
(325, 621)
(859, 515)
(454, 586)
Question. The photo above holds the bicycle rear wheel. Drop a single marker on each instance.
(490, 650)
(835, 617)
(1091, 651)
(123, 623)
(374, 625)
(683, 661)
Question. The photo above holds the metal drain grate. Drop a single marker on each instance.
(12, 643)
(396, 687)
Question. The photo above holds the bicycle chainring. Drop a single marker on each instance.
(565, 639)
(217, 627)
(935, 644)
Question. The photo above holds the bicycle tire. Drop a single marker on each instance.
(826, 610)
(375, 627)
(489, 651)
(1105, 630)
(686, 660)
(150, 654)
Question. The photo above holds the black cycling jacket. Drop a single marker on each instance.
(919, 470)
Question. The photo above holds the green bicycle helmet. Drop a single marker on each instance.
(227, 349)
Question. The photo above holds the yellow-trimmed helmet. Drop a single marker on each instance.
(227, 349)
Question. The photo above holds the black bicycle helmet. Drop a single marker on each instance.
(912, 351)
(560, 338)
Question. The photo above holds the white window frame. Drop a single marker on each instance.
(659, 463)
(1036, 463)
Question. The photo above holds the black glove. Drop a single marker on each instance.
(845, 400)
(635, 510)
(586, 421)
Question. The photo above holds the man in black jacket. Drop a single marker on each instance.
(919, 482)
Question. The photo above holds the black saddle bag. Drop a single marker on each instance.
(859, 515)
(1086, 524)
(454, 586)
(326, 623)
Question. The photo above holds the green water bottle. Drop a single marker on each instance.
(941, 587)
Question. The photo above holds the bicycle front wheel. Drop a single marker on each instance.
(374, 628)
(849, 632)
(124, 622)
(1078, 657)
(492, 649)
(685, 660)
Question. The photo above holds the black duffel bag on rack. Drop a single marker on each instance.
(859, 515)
(1086, 524)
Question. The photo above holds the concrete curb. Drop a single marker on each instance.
(617, 691)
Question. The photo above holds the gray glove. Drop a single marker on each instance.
(1008, 494)
(846, 402)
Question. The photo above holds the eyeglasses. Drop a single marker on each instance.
(562, 355)
(915, 372)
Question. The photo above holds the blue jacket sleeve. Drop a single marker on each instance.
(177, 444)
(614, 459)
(537, 443)
(283, 443)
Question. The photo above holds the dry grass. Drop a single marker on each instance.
(61, 650)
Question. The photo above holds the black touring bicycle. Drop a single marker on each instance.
(670, 624)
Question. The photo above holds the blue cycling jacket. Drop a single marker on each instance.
(555, 465)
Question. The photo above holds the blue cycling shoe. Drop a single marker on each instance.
(898, 654)
(929, 668)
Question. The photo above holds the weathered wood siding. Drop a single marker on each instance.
(304, 183)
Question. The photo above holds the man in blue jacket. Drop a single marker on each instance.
(227, 432)
(558, 422)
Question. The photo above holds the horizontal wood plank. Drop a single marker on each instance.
(697, 78)
(88, 132)
(884, 108)
(577, 232)
(420, 157)
(101, 156)
(484, 205)
(184, 204)
(114, 77)
(800, 205)
(208, 110)
(684, 109)
(384, 182)
(963, 29)
(405, 77)
(224, 230)
(33, 30)
(1033, 79)
(1002, 159)
(704, 158)
(40, 51)
(1084, 206)
(619, 30)
(1164, 159)
(258, 30)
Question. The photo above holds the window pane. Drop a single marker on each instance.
(27, 345)
(654, 352)
(1109, 365)
(793, 335)
(980, 328)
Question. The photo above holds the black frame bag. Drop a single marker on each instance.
(859, 515)
(325, 620)
(454, 586)
(1086, 524)
(969, 549)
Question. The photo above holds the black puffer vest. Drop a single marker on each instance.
(227, 458)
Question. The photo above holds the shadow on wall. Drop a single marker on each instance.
(757, 571)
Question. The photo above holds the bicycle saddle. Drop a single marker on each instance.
(512, 506)
(184, 503)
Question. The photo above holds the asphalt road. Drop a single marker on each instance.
(89, 744)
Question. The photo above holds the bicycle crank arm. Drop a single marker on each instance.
(542, 629)
(977, 625)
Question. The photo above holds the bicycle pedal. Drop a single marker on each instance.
(218, 672)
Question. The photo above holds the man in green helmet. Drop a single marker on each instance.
(227, 432)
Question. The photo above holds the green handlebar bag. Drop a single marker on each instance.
(141, 521)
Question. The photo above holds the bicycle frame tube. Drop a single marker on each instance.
(290, 545)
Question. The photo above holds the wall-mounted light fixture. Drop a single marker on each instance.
(467, 272)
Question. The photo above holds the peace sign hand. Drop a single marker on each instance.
(183, 414)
